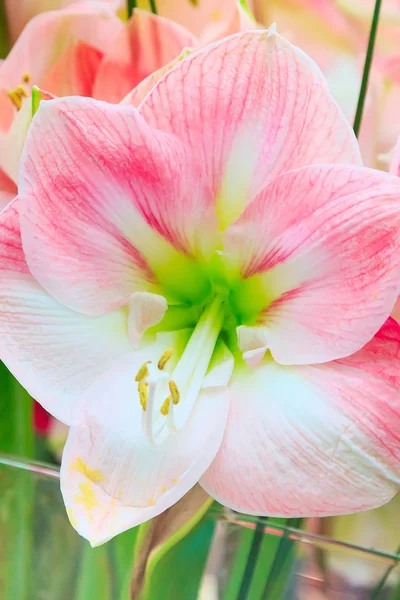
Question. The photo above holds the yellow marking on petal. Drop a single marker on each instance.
(87, 497)
(165, 358)
(26, 78)
(143, 371)
(175, 480)
(173, 388)
(151, 502)
(164, 410)
(164, 489)
(93, 474)
(143, 389)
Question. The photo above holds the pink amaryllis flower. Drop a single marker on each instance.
(193, 287)
(20, 12)
(207, 19)
(89, 51)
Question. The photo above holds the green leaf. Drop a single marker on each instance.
(16, 437)
(261, 563)
(121, 551)
(367, 67)
(16, 433)
(94, 578)
(177, 542)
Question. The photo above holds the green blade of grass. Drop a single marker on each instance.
(367, 68)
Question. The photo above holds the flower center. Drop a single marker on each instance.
(167, 400)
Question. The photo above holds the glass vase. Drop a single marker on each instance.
(243, 558)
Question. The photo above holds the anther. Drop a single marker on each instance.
(164, 358)
(143, 371)
(15, 99)
(164, 410)
(26, 78)
(173, 388)
(21, 91)
(143, 389)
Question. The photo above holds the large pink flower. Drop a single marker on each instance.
(89, 51)
(175, 279)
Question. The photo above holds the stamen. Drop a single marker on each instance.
(21, 91)
(15, 99)
(165, 358)
(143, 371)
(17, 95)
(173, 388)
(164, 410)
(143, 389)
(26, 78)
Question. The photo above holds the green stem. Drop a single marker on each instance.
(278, 573)
(130, 5)
(252, 560)
(376, 593)
(153, 7)
(367, 68)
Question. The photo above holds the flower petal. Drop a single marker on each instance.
(316, 440)
(318, 250)
(137, 95)
(109, 206)
(147, 43)
(54, 352)
(395, 165)
(8, 190)
(111, 478)
(205, 19)
(255, 105)
(145, 310)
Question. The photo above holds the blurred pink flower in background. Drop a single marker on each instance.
(20, 12)
(207, 19)
(228, 221)
(335, 34)
(89, 51)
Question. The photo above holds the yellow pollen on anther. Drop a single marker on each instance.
(173, 388)
(26, 78)
(164, 410)
(143, 371)
(21, 91)
(165, 358)
(15, 98)
(143, 389)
